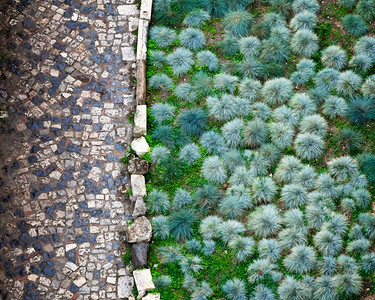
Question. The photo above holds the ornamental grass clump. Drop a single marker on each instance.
(159, 154)
(237, 22)
(160, 82)
(181, 224)
(274, 52)
(293, 195)
(232, 132)
(209, 227)
(308, 5)
(290, 237)
(349, 83)
(235, 289)
(225, 82)
(192, 38)
(287, 169)
(243, 248)
(349, 283)
(309, 146)
(250, 46)
(158, 202)
(231, 207)
(163, 36)
(366, 46)
(213, 169)
(208, 59)
(277, 91)
(301, 260)
(158, 58)
(249, 89)
(182, 198)
(262, 292)
(190, 154)
(324, 288)
(361, 110)
(160, 227)
(302, 104)
(263, 189)
(328, 243)
(334, 57)
(354, 25)
(326, 185)
(265, 221)
(213, 142)
(303, 20)
(162, 112)
(314, 124)
(181, 61)
(366, 9)
(193, 122)
(343, 168)
(185, 91)
(230, 230)
(261, 111)
(326, 80)
(196, 18)
(286, 116)
(348, 4)
(368, 87)
(282, 135)
(306, 178)
(270, 152)
(261, 269)
(361, 63)
(293, 289)
(269, 249)
(335, 107)
(304, 43)
(255, 133)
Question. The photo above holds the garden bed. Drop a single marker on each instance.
(261, 133)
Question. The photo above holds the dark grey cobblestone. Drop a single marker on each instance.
(66, 68)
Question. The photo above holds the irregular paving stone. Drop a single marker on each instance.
(140, 121)
(140, 208)
(139, 231)
(138, 166)
(143, 280)
(139, 254)
(140, 146)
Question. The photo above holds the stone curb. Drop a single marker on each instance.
(139, 232)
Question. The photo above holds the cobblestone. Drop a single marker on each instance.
(66, 71)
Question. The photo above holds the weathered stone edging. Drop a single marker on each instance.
(139, 232)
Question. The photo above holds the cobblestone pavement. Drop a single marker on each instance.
(66, 70)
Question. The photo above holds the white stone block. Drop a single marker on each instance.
(143, 280)
(125, 287)
(146, 7)
(138, 185)
(140, 120)
(140, 146)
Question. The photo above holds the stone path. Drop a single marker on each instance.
(66, 73)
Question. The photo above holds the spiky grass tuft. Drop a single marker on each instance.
(192, 38)
(349, 83)
(293, 195)
(287, 169)
(229, 45)
(261, 269)
(237, 22)
(354, 25)
(181, 224)
(306, 178)
(334, 57)
(290, 237)
(343, 168)
(255, 133)
(301, 260)
(159, 154)
(213, 142)
(232, 132)
(158, 202)
(160, 82)
(304, 43)
(190, 154)
(202, 83)
(338, 224)
(163, 36)
(213, 169)
(281, 134)
(209, 227)
(269, 249)
(274, 52)
(182, 198)
(366, 9)
(348, 4)
(191, 264)
(202, 292)
(206, 197)
(243, 248)
(359, 246)
(250, 46)
(162, 282)
(326, 80)
(277, 91)
(186, 92)
(235, 289)
(367, 166)
(270, 153)
(231, 207)
(285, 115)
(368, 87)
(293, 289)
(366, 46)
(262, 292)
(208, 59)
(349, 283)
(324, 288)
(193, 122)
(169, 254)
(162, 112)
(264, 221)
(314, 124)
(263, 189)
(303, 104)
(249, 89)
(302, 5)
(328, 243)
(335, 107)
(368, 263)
(361, 63)
(230, 230)
(361, 110)
(196, 18)
(309, 146)
(303, 20)
(368, 222)
(326, 185)
(158, 58)
(225, 82)
(181, 61)
(160, 227)
(261, 111)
